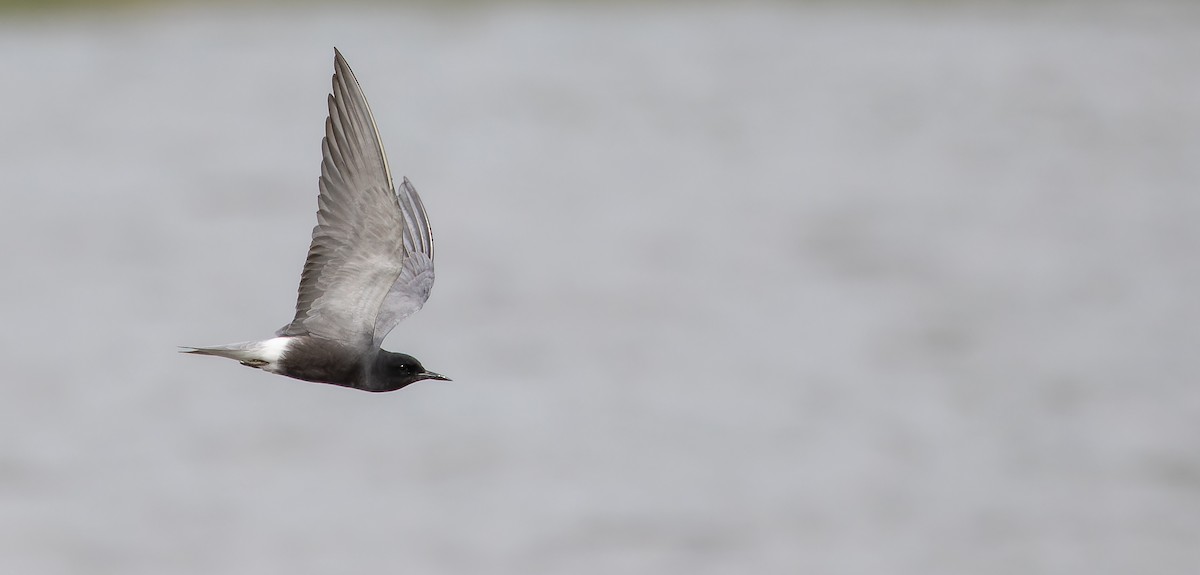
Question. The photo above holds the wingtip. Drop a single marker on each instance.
(341, 69)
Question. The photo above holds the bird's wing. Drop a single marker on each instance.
(411, 287)
(370, 264)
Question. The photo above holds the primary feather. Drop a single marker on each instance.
(370, 264)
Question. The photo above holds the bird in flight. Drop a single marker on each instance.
(370, 264)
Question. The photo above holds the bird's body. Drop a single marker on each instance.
(370, 264)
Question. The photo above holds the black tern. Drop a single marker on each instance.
(370, 264)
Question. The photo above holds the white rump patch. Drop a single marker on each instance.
(271, 351)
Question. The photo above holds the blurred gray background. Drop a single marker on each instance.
(829, 288)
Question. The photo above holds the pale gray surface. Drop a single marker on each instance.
(370, 264)
(760, 290)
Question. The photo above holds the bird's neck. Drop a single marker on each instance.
(376, 373)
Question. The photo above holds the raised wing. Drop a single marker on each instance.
(411, 289)
(370, 263)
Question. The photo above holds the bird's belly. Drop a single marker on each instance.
(321, 361)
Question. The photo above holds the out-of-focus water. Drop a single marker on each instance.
(769, 289)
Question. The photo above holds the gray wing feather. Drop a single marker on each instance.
(370, 263)
(411, 288)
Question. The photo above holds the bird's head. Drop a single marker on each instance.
(396, 370)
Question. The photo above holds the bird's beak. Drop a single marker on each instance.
(432, 375)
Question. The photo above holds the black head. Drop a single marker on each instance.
(396, 370)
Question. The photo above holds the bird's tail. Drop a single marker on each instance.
(240, 351)
(264, 354)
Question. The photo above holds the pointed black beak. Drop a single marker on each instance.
(432, 375)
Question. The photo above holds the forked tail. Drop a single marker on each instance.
(264, 354)
(239, 351)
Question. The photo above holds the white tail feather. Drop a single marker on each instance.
(264, 354)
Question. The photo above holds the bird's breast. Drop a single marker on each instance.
(315, 359)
